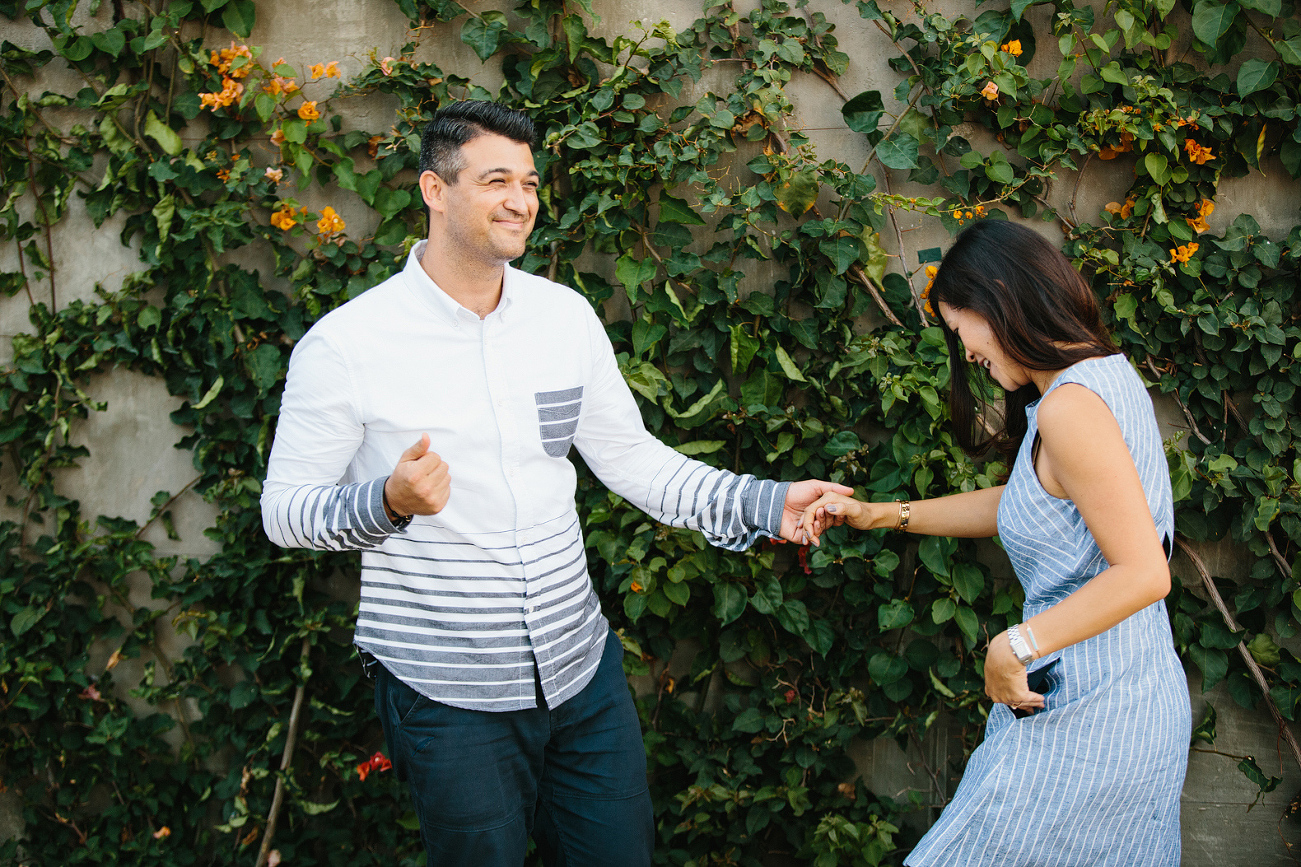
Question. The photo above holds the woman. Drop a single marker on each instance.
(1085, 749)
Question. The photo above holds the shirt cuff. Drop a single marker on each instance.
(378, 514)
(762, 503)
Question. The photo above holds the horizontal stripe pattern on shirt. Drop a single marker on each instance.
(469, 605)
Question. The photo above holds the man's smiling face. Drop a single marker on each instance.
(490, 209)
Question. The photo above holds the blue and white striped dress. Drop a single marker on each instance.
(1095, 778)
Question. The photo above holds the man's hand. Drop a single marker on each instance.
(420, 483)
(799, 496)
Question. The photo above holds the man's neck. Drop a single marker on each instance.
(475, 286)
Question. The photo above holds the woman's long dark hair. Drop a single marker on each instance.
(1042, 312)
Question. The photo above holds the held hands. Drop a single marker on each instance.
(1005, 678)
(834, 509)
(799, 498)
(420, 483)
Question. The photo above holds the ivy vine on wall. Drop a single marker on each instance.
(201, 147)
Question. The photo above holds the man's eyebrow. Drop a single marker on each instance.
(533, 173)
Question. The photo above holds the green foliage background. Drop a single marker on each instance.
(783, 657)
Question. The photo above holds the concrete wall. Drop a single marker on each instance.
(132, 441)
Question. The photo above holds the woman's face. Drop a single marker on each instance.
(982, 348)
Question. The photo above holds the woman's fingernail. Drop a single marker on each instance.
(833, 508)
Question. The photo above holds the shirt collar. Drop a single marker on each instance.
(443, 304)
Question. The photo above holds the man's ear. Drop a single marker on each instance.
(432, 188)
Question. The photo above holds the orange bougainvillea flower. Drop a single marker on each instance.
(287, 217)
(325, 70)
(231, 91)
(1013, 48)
(1183, 252)
(636, 587)
(278, 137)
(990, 90)
(1197, 153)
(307, 111)
(931, 271)
(1204, 209)
(223, 175)
(274, 175)
(386, 65)
(377, 762)
(222, 60)
(162, 833)
(330, 222)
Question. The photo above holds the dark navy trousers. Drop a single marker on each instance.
(573, 778)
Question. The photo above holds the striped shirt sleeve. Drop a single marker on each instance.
(733, 511)
(318, 432)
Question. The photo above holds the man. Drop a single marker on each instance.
(427, 423)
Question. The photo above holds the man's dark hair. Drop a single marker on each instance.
(1041, 310)
(454, 125)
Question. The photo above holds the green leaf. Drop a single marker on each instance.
(1019, 7)
(109, 41)
(744, 345)
(799, 192)
(1256, 75)
(264, 365)
(788, 365)
(150, 316)
(1205, 730)
(239, 16)
(673, 210)
(483, 34)
(701, 447)
(1212, 662)
(1000, 171)
(749, 721)
(793, 617)
(885, 668)
(729, 602)
(894, 614)
(25, 619)
(1158, 167)
(1290, 50)
(899, 153)
(863, 113)
(1264, 650)
(210, 393)
(160, 132)
(1212, 20)
(767, 596)
(874, 258)
(968, 581)
(843, 251)
(315, 808)
(967, 622)
(633, 274)
(943, 610)
(1272, 8)
(677, 593)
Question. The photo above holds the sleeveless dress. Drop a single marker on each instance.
(1095, 777)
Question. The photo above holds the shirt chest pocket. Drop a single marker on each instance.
(558, 413)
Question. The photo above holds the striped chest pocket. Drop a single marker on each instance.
(558, 413)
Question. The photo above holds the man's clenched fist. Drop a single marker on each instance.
(420, 483)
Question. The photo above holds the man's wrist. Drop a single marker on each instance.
(397, 519)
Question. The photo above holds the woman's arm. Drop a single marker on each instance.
(1083, 457)
(973, 514)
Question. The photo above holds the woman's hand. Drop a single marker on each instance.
(832, 510)
(1005, 677)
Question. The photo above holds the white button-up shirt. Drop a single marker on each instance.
(464, 606)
